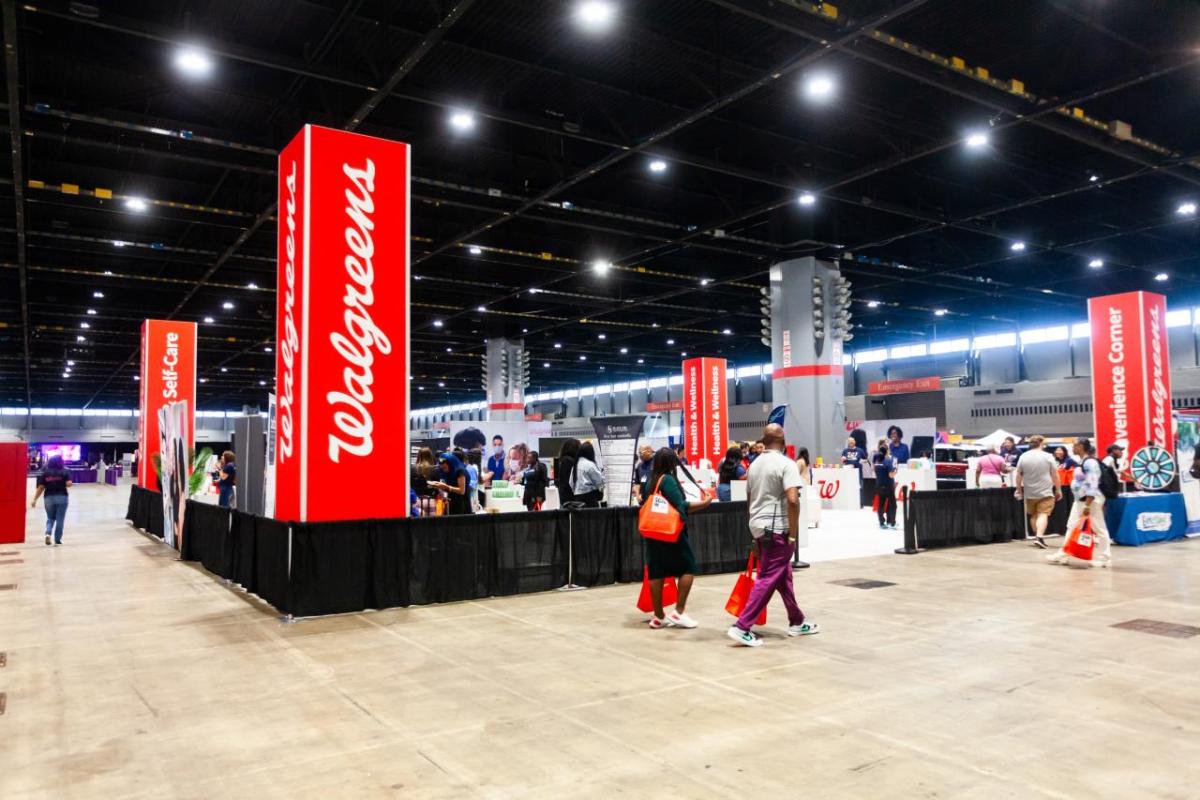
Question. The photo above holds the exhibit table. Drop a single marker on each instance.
(113, 474)
(917, 476)
(1141, 517)
(837, 487)
(82, 475)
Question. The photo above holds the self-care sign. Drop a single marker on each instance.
(168, 375)
(342, 361)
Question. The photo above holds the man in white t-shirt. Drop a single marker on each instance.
(1039, 485)
(773, 492)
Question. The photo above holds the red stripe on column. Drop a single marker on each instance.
(507, 406)
(807, 371)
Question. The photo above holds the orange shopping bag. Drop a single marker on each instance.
(741, 592)
(670, 593)
(1081, 543)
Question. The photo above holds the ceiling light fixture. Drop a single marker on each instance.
(641, 361)
(1096, 263)
(1186, 209)
(727, 332)
(583, 358)
(204, 380)
(137, 377)
(98, 295)
(1093, 178)
(266, 349)
(1017, 247)
(601, 266)
(66, 374)
(437, 323)
(262, 383)
(705, 281)
(462, 120)
(558, 345)
(807, 199)
(108, 273)
(91, 312)
(70, 363)
(81, 339)
(228, 306)
(977, 139)
(1162, 276)
(624, 351)
(596, 15)
(137, 204)
(251, 285)
(224, 369)
(819, 87)
(546, 364)
(442, 384)
(872, 304)
(475, 250)
(1047, 291)
(941, 312)
(670, 341)
(209, 320)
(482, 309)
(193, 62)
(658, 165)
(119, 243)
(602, 336)
(84, 325)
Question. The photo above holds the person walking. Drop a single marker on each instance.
(563, 468)
(1089, 502)
(1039, 486)
(226, 479)
(587, 481)
(53, 483)
(885, 487)
(670, 559)
(990, 470)
(773, 491)
(731, 470)
(641, 471)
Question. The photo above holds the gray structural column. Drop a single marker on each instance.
(809, 302)
(250, 451)
(505, 376)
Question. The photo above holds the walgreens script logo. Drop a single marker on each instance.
(827, 490)
(289, 345)
(360, 337)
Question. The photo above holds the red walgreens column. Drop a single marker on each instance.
(168, 376)
(342, 322)
(705, 410)
(1131, 371)
(14, 469)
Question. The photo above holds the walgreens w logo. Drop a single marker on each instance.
(827, 490)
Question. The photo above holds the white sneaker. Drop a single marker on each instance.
(1057, 558)
(1102, 562)
(744, 638)
(655, 623)
(804, 629)
(681, 620)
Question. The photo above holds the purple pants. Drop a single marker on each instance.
(774, 575)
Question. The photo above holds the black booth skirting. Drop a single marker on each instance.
(955, 517)
(336, 567)
(145, 510)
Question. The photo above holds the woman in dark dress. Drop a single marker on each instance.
(563, 469)
(670, 559)
(535, 479)
(454, 484)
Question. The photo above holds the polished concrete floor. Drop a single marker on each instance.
(981, 673)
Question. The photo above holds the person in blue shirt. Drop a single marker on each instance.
(852, 454)
(885, 487)
(730, 470)
(495, 462)
(641, 471)
(471, 462)
(897, 449)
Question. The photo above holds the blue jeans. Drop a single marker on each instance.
(56, 515)
(224, 496)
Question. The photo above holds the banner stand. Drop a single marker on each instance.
(910, 531)
(570, 586)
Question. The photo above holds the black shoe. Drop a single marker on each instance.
(1040, 542)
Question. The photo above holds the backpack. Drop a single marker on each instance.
(1110, 485)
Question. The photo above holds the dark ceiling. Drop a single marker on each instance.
(555, 173)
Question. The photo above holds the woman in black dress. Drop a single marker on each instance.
(670, 559)
(563, 469)
(454, 484)
(535, 479)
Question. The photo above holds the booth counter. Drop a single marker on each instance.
(1139, 518)
(838, 488)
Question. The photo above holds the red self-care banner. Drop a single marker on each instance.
(342, 322)
(705, 410)
(168, 376)
(1131, 371)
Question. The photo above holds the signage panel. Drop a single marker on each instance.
(168, 375)
(705, 410)
(1131, 371)
(930, 384)
(342, 361)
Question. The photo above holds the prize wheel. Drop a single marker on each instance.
(1152, 468)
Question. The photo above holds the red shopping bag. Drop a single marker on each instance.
(1081, 543)
(670, 592)
(741, 592)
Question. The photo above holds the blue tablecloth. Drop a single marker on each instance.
(1138, 518)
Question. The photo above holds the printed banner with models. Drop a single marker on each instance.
(342, 361)
(175, 463)
(1131, 371)
(705, 410)
(168, 376)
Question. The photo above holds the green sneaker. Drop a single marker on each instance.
(744, 638)
(804, 629)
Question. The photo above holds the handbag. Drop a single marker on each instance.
(670, 592)
(1081, 543)
(658, 519)
(741, 592)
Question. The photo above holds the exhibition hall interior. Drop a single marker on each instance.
(647, 398)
